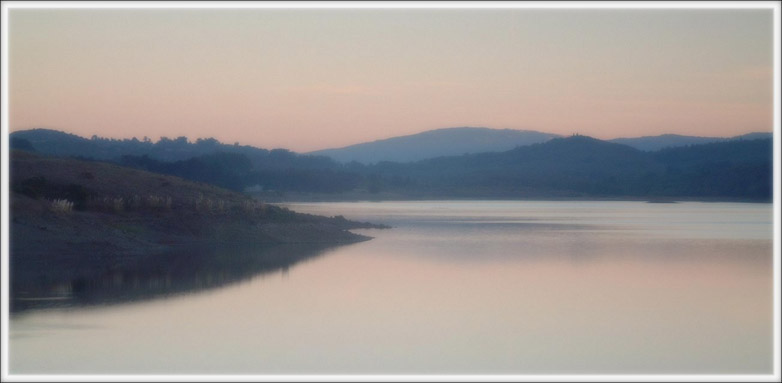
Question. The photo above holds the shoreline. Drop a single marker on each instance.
(301, 198)
(73, 220)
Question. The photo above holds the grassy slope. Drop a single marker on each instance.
(126, 211)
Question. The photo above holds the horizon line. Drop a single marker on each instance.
(195, 139)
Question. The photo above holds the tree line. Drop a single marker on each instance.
(576, 166)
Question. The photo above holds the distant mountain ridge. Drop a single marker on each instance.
(578, 166)
(57, 143)
(205, 160)
(409, 148)
(469, 140)
(654, 143)
(581, 166)
(436, 143)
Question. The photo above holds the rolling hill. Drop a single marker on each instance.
(436, 143)
(654, 143)
(580, 166)
(572, 167)
(75, 207)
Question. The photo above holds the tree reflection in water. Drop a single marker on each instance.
(64, 282)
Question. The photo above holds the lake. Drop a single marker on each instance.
(455, 287)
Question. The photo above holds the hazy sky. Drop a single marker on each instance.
(317, 78)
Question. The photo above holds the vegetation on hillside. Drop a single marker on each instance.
(576, 166)
(93, 203)
(76, 226)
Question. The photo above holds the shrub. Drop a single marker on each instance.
(158, 202)
(61, 206)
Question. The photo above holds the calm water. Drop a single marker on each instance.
(454, 287)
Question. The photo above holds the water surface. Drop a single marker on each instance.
(455, 287)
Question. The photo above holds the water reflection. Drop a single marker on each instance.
(182, 270)
(616, 288)
(475, 232)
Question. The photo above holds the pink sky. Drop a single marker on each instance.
(314, 78)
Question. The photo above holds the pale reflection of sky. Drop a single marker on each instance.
(684, 219)
(432, 297)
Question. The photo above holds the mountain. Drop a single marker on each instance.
(571, 167)
(234, 166)
(57, 143)
(581, 166)
(436, 143)
(754, 136)
(468, 140)
(653, 143)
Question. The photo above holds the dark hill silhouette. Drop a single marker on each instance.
(581, 166)
(571, 167)
(730, 168)
(754, 136)
(654, 143)
(57, 143)
(235, 167)
(468, 140)
(435, 143)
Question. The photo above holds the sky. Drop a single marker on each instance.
(308, 79)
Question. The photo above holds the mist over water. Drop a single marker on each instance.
(486, 287)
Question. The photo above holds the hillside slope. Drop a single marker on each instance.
(654, 143)
(84, 232)
(125, 211)
(436, 143)
(581, 166)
